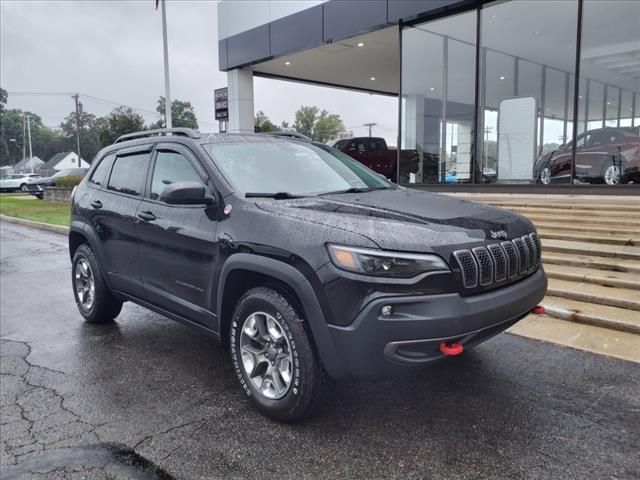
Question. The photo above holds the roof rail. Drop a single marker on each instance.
(185, 132)
(290, 134)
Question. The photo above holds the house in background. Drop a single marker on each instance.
(63, 160)
(24, 165)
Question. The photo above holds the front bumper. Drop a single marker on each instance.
(375, 346)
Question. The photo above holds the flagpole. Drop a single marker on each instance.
(167, 88)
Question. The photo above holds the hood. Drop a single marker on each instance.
(405, 219)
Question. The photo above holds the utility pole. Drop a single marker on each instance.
(167, 88)
(24, 136)
(370, 125)
(30, 151)
(76, 97)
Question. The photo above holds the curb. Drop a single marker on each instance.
(584, 318)
(62, 230)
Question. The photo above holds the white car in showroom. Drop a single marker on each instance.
(18, 181)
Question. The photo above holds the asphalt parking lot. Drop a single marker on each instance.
(148, 398)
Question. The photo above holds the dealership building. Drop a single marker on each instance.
(491, 94)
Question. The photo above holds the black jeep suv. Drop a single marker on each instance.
(304, 262)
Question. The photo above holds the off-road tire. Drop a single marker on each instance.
(105, 306)
(308, 380)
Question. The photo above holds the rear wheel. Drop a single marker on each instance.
(611, 174)
(95, 302)
(273, 355)
(23, 187)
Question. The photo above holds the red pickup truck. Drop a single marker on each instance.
(374, 153)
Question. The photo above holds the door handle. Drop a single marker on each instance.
(96, 204)
(147, 216)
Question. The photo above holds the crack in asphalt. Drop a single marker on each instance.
(40, 412)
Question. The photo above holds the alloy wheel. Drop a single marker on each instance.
(545, 176)
(85, 284)
(266, 355)
(612, 175)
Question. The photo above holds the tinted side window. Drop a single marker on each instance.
(127, 174)
(171, 167)
(101, 172)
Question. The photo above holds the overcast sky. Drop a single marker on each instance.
(112, 50)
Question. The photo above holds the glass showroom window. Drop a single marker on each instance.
(608, 151)
(438, 100)
(525, 105)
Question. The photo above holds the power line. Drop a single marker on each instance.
(103, 101)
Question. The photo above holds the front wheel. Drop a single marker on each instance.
(273, 355)
(545, 176)
(23, 187)
(95, 302)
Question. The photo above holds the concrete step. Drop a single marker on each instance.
(601, 222)
(599, 315)
(594, 228)
(599, 263)
(591, 249)
(577, 212)
(603, 341)
(610, 239)
(626, 206)
(595, 276)
(596, 294)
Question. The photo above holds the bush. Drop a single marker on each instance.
(69, 181)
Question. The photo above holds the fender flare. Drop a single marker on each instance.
(88, 232)
(303, 289)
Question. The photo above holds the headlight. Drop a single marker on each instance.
(384, 264)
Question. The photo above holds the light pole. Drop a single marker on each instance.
(29, 133)
(15, 150)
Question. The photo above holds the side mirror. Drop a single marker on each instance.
(186, 193)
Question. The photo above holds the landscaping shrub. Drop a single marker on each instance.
(69, 181)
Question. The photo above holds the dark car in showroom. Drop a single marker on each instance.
(304, 263)
(605, 155)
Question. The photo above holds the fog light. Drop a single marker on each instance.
(387, 310)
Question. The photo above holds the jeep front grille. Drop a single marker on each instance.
(499, 261)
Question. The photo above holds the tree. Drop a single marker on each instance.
(3, 98)
(328, 126)
(263, 124)
(182, 115)
(89, 134)
(318, 124)
(121, 120)
(44, 141)
(305, 120)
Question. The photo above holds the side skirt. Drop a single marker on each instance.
(166, 313)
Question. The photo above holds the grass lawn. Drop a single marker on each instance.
(56, 213)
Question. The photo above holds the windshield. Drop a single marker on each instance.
(297, 168)
(63, 173)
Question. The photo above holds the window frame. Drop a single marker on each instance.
(191, 158)
(125, 152)
(89, 175)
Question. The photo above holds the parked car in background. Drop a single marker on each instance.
(18, 181)
(67, 172)
(604, 155)
(374, 153)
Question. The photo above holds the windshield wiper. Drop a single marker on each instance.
(355, 190)
(276, 195)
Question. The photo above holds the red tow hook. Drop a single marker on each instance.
(451, 349)
(538, 310)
